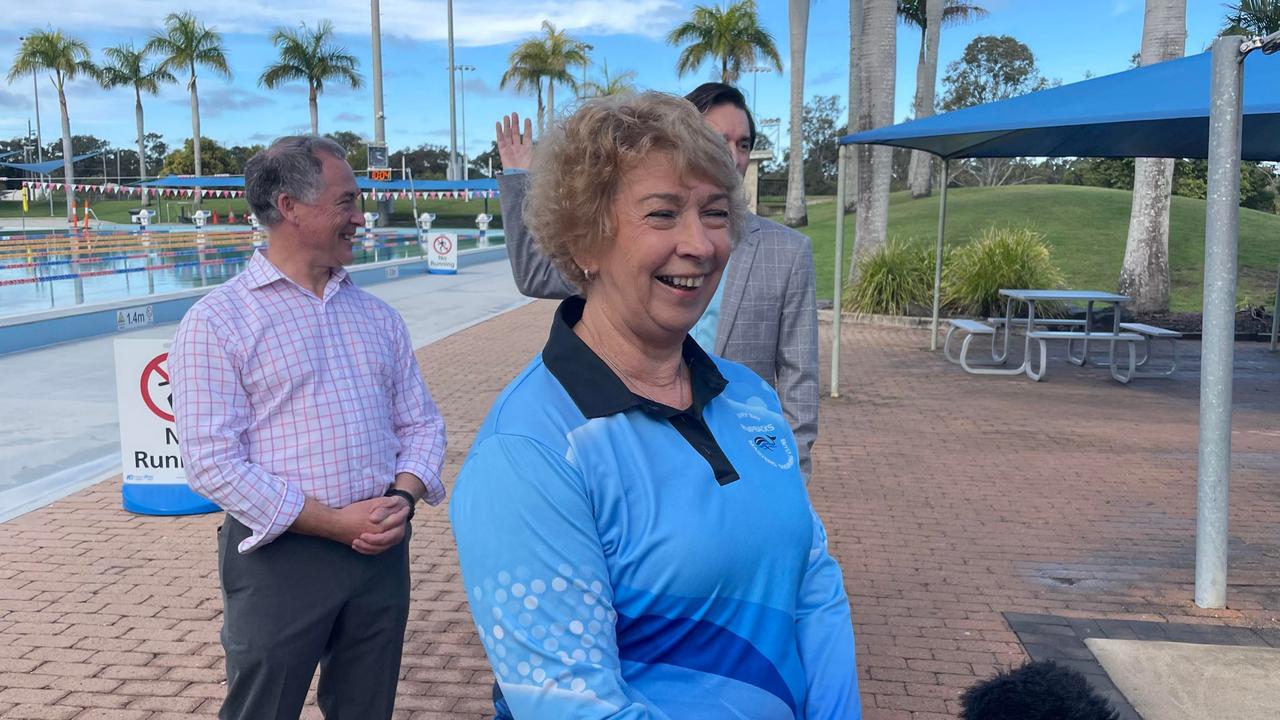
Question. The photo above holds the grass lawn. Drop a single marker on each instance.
(449, 213)
(1085, 226)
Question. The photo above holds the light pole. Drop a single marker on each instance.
(776, 124)
(453, 115)
(379, 117)
(755, 71)
(462, 95)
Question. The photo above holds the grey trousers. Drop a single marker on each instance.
(303, 601)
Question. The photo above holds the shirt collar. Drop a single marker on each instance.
(260, 272)
(597, 390)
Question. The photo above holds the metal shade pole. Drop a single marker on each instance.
(937, 262)
(1222, 219)
(835, 307)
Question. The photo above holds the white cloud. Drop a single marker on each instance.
(14, 100)
(1120, 7)
(475, 22)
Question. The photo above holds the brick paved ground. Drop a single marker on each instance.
(949, 499)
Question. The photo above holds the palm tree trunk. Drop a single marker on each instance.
(540, 109)
(855, 85)
(68, 167)
(551, 101)
(315, 112)
(195, 132)
(724, 71)
(142, 148)
(69, 174)
(875, 109)
(920, 172)
(1145, 273)
(796, 213)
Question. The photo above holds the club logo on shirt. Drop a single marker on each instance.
(765, 439)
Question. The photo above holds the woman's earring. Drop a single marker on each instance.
(586, 273)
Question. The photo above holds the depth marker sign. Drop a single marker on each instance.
(155, 482)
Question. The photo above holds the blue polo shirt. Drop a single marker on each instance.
(625, 559)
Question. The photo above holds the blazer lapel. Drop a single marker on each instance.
(736, 273)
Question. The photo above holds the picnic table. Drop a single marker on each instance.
(1086, 333)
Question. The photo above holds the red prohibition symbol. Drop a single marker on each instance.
(156, 366)
(442, 244)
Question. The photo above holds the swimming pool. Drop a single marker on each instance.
(48, 270)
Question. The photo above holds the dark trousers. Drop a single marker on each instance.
(301, 601)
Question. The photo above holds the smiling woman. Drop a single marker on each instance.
(632, 524)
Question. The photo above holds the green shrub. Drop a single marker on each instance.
(1000, 258)
(893, 280)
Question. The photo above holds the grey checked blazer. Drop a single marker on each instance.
(768, 314)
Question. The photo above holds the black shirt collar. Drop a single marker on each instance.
(597, 390)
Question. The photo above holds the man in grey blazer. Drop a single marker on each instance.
(764, 314)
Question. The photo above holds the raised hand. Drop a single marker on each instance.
(515, 148)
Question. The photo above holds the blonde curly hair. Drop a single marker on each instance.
(579, 165)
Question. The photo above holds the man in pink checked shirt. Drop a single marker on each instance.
(302, 412)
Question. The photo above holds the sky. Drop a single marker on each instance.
(1069, 40)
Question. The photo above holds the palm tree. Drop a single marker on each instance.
(1145, 273)
(126, 66)
(540, 57)
(561, 51)
(855, 93)
(64, 58)
(877, 56)
(620, 84)
(930, 16)
(307, 54)
(528, 65)
(796, 213)
(187, 44)
(1253, 17)
(733, 36)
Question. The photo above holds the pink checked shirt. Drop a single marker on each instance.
(281, 396)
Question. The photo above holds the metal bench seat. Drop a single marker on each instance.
(971, 329)
(1151, 333)
(1071, 336)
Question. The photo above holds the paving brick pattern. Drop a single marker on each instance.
(949, 499)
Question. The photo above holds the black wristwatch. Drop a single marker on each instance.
(413, 502)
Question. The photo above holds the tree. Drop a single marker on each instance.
(188, 44)
(930, 16)
(216, 157)
(356, 146)
(426, 162)
(1145, 273)
(65, 58)
(560, 52)
(527, 66)
(822, 128)
(309, 54)
(487, 163)
(620, 84)
(797, 211)
(1252, 17)
(991, 68)
(126, 66)
(850, 199)
(877, 66)
(732, 36)
(544, 57)
(157, 149)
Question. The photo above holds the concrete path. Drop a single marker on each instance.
(1186, 681)
(950, 501)
(59, 429)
